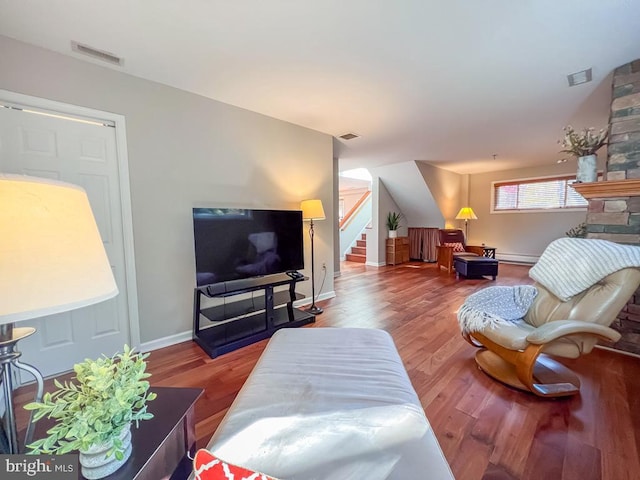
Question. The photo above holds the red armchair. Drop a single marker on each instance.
(452, 245)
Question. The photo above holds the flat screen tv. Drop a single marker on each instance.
(232, 244)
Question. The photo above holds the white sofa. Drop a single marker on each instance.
(330, 403)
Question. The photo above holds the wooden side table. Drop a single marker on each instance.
(397, 250)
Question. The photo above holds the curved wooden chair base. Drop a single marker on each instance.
(550, 378)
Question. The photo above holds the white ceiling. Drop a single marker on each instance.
(451, 82)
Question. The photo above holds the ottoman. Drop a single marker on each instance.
(476, 267)
(330, 403)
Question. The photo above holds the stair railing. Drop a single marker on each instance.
(354, 210)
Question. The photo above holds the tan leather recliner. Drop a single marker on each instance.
(517, 354)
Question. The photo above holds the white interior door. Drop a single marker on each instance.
(86, 155)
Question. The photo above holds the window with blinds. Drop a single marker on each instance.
(549, 193)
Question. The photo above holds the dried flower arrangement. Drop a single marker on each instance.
(584, 143)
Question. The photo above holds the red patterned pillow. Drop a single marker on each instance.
(207, 466)
(457, 246)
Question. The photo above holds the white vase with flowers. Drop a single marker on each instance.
(584, 146)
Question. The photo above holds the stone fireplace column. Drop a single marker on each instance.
(614, 204)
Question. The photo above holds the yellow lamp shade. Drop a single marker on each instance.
(466, 213)
(52, 258)
(312, 210)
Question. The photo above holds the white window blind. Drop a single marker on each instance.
(536, 194)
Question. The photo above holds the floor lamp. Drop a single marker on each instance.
(52, 260)
(312, 210)
(466, 214)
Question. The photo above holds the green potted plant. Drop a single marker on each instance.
(584, 146)
(393, 223)
(94, 414)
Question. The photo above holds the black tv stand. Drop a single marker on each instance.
(240, 323)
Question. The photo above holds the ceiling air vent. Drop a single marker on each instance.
(349, 136)
(97, 54)
(578, 78)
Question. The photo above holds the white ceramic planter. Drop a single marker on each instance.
(587, 169)
(393, 233)
(94, 462)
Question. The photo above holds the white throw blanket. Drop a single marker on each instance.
(493, 306)
(569, 266)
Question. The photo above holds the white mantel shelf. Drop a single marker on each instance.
(608, 189)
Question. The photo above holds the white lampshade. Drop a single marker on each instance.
(466, 213)
(312, 210)
(51, 255)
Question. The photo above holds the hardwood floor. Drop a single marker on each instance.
(486, 430)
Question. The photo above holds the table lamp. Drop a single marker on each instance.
(52, 260)
(466, 214)
(312, 210)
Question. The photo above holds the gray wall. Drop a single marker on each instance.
(519, 234)
(382, 204)
(411, 193)
(184, 151)
(336, 228)
(449, 190)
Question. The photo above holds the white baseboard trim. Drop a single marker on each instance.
(166, 341)
(375, 264)
(307, 301)
(615, 350)
(517, 258)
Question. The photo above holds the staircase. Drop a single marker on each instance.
(359, 252)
